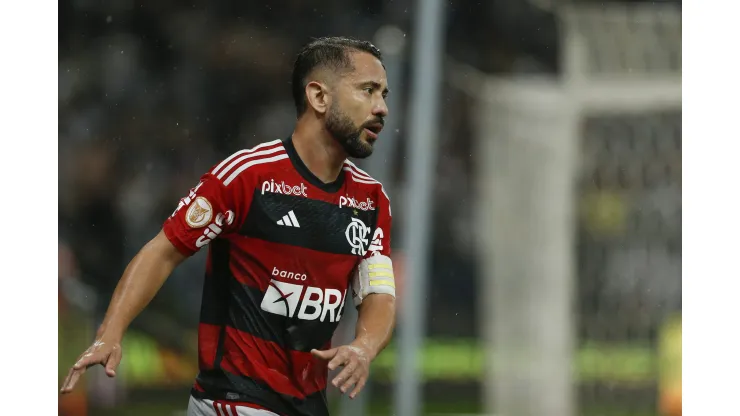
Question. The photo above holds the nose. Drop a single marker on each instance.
(380, 109)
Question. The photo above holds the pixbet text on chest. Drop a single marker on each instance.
(283, 188)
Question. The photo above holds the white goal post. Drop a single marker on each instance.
(529, 137)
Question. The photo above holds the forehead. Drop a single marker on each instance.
(367, 68)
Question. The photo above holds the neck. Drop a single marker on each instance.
(321, 154)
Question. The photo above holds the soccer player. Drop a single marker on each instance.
(293, 229)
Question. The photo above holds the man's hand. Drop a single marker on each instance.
(141, 280)
(374, 328)
(356, 363)
(107, 354)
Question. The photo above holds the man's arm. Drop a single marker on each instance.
(374, 293)
(375, 323)
(212, 209)
(142, 279)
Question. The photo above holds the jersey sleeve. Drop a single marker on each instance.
(381, 238)
(212, 209)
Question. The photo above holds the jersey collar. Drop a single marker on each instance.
(299, 166)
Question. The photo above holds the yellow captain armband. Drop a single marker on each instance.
(373, 275)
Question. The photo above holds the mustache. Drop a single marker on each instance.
(379, 120)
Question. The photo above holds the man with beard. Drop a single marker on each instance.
(293, 228)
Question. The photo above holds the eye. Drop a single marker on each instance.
(369, 89)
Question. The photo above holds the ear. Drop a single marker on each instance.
(318, 97)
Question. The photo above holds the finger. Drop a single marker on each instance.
(114, 359)
(346, 373)
(74, 374)
(354, 378)
(324, 355)
(65, 383)
(66, 379)
(358, 388)
(339, 359)
(88, 360)
(72, 378)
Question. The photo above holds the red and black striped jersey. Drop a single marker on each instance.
(283, 247)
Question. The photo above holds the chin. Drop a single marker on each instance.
(359, 146)
(361, 152)
(363, 155)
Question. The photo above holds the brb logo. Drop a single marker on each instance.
(282, 188)
(345, 201)
(303, 302)
(356, 234)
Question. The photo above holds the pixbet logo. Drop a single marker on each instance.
(345, 201)
(214, 229)
(303, 302)
(283, 188)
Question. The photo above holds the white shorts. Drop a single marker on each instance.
(205, 407)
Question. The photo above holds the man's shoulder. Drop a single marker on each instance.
(248, 163)
(359, 176)
(364, 180)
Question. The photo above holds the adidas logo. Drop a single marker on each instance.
(289, 220)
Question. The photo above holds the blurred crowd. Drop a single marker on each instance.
(152, 94)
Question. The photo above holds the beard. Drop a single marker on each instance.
(347, 134)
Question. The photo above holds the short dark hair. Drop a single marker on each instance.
(327, 52)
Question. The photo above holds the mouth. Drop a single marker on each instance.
(373, 130)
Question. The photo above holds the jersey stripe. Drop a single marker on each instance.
(247, 165)
(241, 152)
(273, 363)
(359, 175)
(207, 344)
(255, 393)
(357, 170)
(323, 225)
(361, 179)
(248, 156)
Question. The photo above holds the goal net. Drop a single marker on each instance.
(579, 216)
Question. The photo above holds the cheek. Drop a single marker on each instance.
(361, 103)
(354, 113)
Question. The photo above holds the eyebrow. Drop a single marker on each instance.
(376, 85)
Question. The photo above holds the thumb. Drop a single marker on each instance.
(324, 355)
(112, 364)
